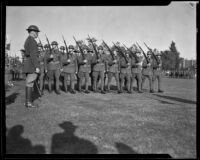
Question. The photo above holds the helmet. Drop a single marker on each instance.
(71, 47)
(62, 48)
(54, 43)
(100, 48)
(148, 53)
(46, 46)
(33, 28)
(39, 45)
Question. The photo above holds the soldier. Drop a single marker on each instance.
(42, 69)
(147, 72)
(113, 70)
(31, 64)
(125, 72)
(70, 68)
(99, 69)
(84, 68)
(136, 64)
(53, 66)
(92, 66)
(157, 73)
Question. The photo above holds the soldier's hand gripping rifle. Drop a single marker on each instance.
(66, 47)
(154, 56)
(49, 48)
(121, 53)
(143, 52)
(83, 55)
(95, 50)
(41, 44)
(111, 53)
(133, 54)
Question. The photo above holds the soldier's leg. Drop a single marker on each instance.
(154, 77)
(95, 76)
(80, 77)
(102, 81)
(72, 79)
(50, 79)
(65, 81)
(86, 82)
(143, 81)
(117, 81)
(29, 88)
(139, 80)
(110, 74)
(150, 83)
(121, 81)
(128, 77)
(159, 83)
(133, 75)
(91, 78)
(57, 77)
(41, 79)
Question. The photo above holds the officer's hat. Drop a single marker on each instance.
(62, 48)
(54, 43)
(33, 28)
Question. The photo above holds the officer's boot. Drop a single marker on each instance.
(151, 85)
(29, 98)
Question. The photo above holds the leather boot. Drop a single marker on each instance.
(29, 99)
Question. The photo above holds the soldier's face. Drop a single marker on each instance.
(54, 46)
(100, 51)
(85, 51)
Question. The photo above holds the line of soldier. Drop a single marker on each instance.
(125, 70)
(188, 74)
(83, 62)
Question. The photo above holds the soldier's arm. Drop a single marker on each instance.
(60, 60)
(76, 65)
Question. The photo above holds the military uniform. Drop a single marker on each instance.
(113, 71)
(125, 73)
(136, 72)
(31, 64)
(84, 70)
(69, 69)
(42, 69)
(157, 72)
(53, 66)
(99, 67)
(147, 73)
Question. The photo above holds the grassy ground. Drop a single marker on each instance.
(108, 124)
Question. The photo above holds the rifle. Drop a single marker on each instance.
(48, 44)
(41, 44)
(109, 50)
(66, 47)
(143, 52)
(94, 47)
(133, 54)
(154, 56)
(83, 55)
(120, 51)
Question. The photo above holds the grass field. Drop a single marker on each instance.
(105, 124)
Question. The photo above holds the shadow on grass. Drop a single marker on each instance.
(124, 149)
(16, 144)
(177, 99)
(11, 98)
(68, 143)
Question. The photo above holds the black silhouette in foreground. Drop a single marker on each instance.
(68, 143)
(124, 149)
(11, 98)
(16, 144)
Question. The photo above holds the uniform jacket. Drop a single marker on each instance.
(52, 63)
(147, 70)
(124, 68)
(41, 60)
(156, 66)
(136, 67)
(102, 64)
(71, 67)
(31, 61)
(85, 67)
(113, 67)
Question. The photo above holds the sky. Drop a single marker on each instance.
(157, 26)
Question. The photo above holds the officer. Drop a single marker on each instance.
(84, 64)
(125, 72)
(70, 68)
(99, 63)
(53, 66)
(147, 72)
(31, 64)
(157, 72)
(113, 70)
(136, 64)
(42, 69)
